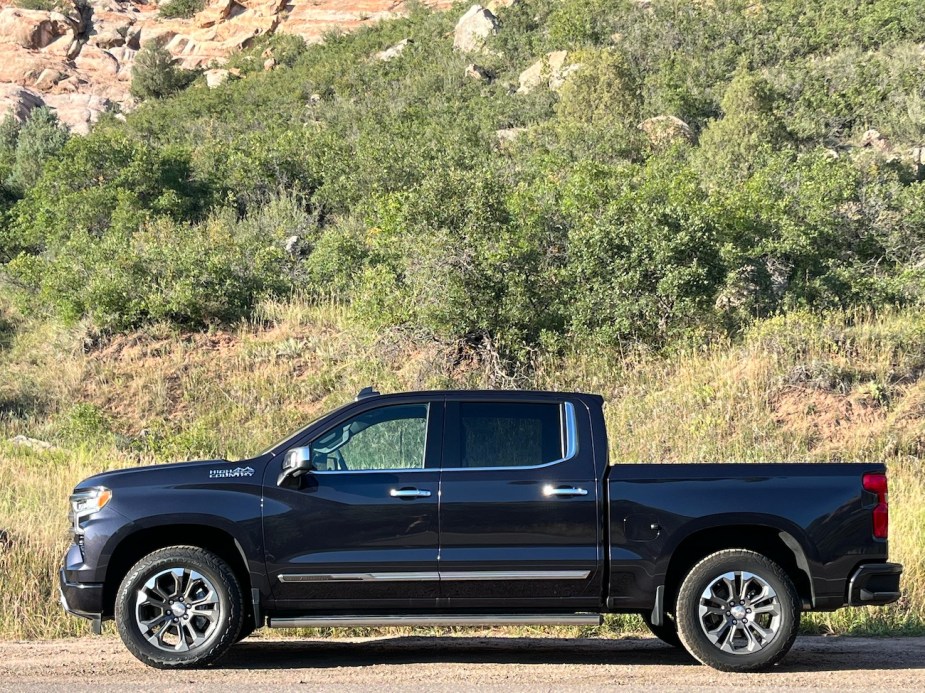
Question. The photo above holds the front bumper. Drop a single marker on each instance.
(874, 584)
(80, 599)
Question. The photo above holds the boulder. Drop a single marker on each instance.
(18, 101)
(550, 71)
(474, 28)
(665, 129)
(507, 135)
(34, 443)
(495, 5)
(478, 73)
(34, 29)
(78, 111)
(393, 52)
(216, 77)
(873, 139)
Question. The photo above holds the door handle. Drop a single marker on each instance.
(550, 491)
(408, 493)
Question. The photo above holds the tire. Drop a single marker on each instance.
(170, 633)
(667, 632)
(246, 631)
(737, 640)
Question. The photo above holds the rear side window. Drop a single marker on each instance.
(507, 434)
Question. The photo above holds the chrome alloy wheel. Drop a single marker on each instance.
(177, 610)
(740, 612)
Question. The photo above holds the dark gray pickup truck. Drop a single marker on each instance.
(473, 508)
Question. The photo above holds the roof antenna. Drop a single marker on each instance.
(366, 392)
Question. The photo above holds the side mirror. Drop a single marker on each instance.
(296, 463)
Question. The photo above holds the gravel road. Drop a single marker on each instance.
(454, 663)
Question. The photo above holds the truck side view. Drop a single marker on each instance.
(473, 508)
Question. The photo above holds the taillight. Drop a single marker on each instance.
(876, 483)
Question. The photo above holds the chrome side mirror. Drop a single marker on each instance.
(297, 462)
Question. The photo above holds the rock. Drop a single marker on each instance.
(269, 64)
(40, 52)
(35, 29)
(18, 101)
(78, 111)
(665, 129)
(873, 139)
(918, 155)
(292, 245)
(48, 79)
(495, 5)
(478, 73)
(33, 443)
(473, 29)
(508, 135)
(314, 99)
(393, 52)
(216, 77)
(550, 71)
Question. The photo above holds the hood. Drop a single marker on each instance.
(197, 472)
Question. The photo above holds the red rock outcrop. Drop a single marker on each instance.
(80, 62)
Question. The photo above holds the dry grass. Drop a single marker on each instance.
(796, 388)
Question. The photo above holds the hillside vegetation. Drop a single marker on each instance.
(743, 280)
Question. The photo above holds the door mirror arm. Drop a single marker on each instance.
(296, 463)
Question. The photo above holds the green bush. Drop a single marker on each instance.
(155, 74)
(407, 203)
(187, 274)
(182, 9)
(39, 139)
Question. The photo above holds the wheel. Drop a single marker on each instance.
(179, 607)
(738, 611)
(667, 632)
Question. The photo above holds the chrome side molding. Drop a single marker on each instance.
(437, 620)
(455, 576)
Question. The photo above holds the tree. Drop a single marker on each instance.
(156, 75)
(37, 141)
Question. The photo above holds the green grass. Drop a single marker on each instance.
(841, 387)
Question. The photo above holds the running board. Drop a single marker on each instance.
(437, 620)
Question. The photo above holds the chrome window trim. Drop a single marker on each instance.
(571, 451)
(432, 576)
(391, 470)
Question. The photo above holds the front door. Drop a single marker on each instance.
(361, 528)
(519, 507)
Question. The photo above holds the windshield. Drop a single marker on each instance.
(289, 435)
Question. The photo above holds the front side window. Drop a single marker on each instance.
(379, 439)
(502, 434)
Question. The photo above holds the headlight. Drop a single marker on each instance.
(89, 501)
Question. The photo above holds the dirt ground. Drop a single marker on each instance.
(457, 663)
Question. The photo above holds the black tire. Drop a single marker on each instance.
(667, 632)
(757, 639)
(209, 609)
(246, 630)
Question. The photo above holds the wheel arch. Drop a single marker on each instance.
(140, 543)
(777, 544)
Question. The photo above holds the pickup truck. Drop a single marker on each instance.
(464, 508)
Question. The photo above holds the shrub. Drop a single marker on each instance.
(649, 266)
(182, 9)
(186, 274)
(155, 74)
(39, 139)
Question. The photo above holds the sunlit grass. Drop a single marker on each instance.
(844, 387)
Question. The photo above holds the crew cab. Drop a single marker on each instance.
(473, 508)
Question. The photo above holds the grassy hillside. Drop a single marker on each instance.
(847, 386)
(713, 214)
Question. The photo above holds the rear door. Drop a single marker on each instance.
(519, 505)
